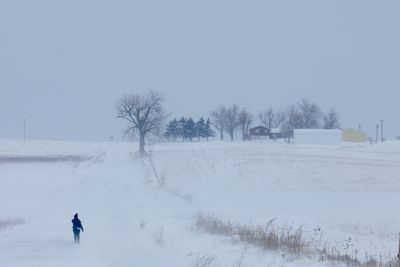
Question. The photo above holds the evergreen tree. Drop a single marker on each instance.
(200, 128)
(189, 129)
(172, 130)
(167, 133)
(181, 127)
(209, 132)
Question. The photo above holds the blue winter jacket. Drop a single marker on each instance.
(76, 224)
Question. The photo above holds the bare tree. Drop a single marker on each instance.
(294, 117)
(245, 119)
(279, 119)
(218, 117)
(232, 120)
(311, 114)
(271, 119)
(293, 121)
(145, 114)
(267, 117)
(331, 120)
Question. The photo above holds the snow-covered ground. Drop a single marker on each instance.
(350, 191)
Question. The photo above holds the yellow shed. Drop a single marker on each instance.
(353, 135)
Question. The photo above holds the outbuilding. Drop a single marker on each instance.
(318, 137)
(259, 132)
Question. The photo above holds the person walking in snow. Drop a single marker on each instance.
(76, 227)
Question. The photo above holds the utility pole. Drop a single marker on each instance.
(24, 130)
(382, 139)
(377, 131)
(359, 127)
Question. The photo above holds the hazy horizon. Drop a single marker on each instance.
(63, 65)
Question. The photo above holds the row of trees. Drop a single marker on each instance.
(145, 115)
(229, 119)
(304, 115)
(187, 129)
(308, 115)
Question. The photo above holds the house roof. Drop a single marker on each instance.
(259, 127)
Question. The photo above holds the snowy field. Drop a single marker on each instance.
(346, 197)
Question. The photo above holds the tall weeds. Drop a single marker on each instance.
(287, 239)
(10, 223)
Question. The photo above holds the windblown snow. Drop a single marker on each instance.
(350, 193)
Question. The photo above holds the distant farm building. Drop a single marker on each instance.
(308, 136)
(276, 133)
(317, 137)
(259, 132)
(352, 135)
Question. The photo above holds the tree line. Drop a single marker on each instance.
(188, 130)
(303, 115)
(145, 115)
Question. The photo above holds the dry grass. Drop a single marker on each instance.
(203, 260)
(43, 158)
(10, 223)
(287, 239)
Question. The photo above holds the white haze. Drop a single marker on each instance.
(63, 64)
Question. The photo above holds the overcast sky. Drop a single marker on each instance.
(63, 64)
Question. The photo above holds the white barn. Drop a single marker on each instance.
(318, 137)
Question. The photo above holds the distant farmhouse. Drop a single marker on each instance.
(261, 132)
(308, 136)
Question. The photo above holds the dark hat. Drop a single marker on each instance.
(76, 215)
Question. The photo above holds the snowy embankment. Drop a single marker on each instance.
(333, 193)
